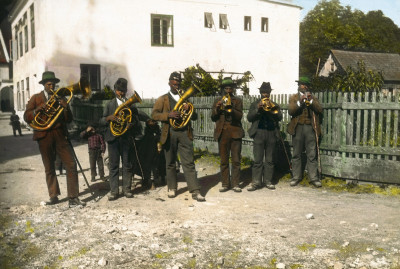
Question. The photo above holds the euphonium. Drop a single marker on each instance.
(269, 106)
(45, 118)
(124, 116)
(227, 103)
(185, 114)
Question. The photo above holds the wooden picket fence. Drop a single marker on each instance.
(360, 132)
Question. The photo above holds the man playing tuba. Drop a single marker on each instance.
(120, 143)
(264, 115)
(176, 141)
(54, 141)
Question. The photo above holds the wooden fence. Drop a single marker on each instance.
(360, 133)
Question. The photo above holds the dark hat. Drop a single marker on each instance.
(48, 76)
(227, 81)
(304, 81)
(265, 87)
(175, 76)
(121, 85)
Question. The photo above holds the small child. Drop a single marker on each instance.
(15, 123)
(97, 148)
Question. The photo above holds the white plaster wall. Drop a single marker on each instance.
(116, 34)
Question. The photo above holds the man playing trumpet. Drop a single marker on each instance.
(229, 132)
(304, 127)
(264, 114)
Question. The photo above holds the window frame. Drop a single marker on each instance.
(223, 21)
(208, 20)
(264, 24)
(165, 40)
(32, 15)
(93, 75)
(247, 23)
(26, 38)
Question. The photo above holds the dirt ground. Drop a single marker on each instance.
(291, 227)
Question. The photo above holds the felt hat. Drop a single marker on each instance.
(228, 82)
(48, 76)
(175, 76)
(121, 85)
(304, 81)
(265, 87)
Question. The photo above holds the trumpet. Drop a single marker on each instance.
(267, 105)
(307, 101)
(124, 116)
(227, 103)
(46, 118)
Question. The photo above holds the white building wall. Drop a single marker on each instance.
(117, 35)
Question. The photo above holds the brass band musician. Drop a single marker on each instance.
(120, 145)
(54, 141)
(264, 114)
(175, 140)
(227, 114)
(305, 110)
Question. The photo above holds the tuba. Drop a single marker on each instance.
(124, 116)
(227, 103)
(186, 114)
(269, 106)
(45, 118)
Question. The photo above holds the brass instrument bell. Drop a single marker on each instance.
(269, 106)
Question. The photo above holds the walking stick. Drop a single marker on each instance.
(318, 153)
(286, 154)
(80, 167)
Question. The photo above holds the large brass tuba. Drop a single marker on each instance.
(45, 118)
(124, 116)
(269, 106)
(185, 114)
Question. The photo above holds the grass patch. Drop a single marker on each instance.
(306, 247)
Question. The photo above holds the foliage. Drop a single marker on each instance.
(331, 26)
(352, 80)
(211, 86)
(106, 94)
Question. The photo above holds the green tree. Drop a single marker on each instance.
(211, 86)
(331, 26)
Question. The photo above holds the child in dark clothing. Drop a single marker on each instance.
(151, 155)
(15, 123)
(97, 148)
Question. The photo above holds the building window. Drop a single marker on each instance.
(264, 24)
(15, 46)
(208, 20)
(32, 12)
(23, 95)
(223, 21)
(18, 97)
(20, 44)
(28, 92)
(92, 73)
(162, 30)
(26, 37)
(247, 23)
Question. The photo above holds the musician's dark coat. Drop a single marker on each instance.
(254, 116)
(137, 115)
(298, 111)
(36, 101)
(219, 118)
(160, 112)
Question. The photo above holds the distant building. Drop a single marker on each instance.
(144, 41)
(387, 63)
(6, 83)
